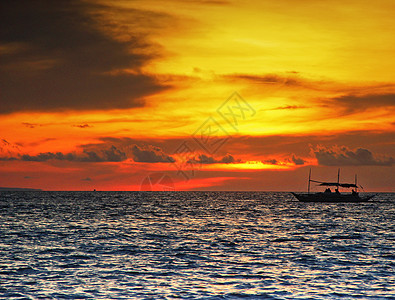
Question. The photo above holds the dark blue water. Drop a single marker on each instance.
(207, 245)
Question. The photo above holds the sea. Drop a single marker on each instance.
(194, 245)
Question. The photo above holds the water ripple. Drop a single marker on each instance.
(194, 245)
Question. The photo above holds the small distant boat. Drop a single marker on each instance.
(336, 196)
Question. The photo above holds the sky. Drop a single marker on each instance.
(196, 94)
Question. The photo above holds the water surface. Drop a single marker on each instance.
(207, 245)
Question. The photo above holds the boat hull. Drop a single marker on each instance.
(331, 197)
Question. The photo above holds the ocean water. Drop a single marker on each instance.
(194, 245)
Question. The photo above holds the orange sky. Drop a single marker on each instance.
(200, 94)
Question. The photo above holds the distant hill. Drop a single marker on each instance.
(12, 189)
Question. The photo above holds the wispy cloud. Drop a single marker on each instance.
(8, 151)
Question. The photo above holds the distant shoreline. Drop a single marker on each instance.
(12, 189)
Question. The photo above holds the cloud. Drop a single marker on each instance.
(227, 159)
(31, 125)
(150, 154)
(272, 161)
(290, 107)
(269, 79)
(86, 179)
(353, 103)
(345, 157)
(82, 125)
(204, 159)
(65, 55)
(8, 150)
(111, 154)
(7, 158)
(297, 161)
(110, 150)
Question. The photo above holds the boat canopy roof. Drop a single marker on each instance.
(345, 185)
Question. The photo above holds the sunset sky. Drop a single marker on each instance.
(196, 94)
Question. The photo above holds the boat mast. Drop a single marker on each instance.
(308, 187)
(356, 183)
(338, 177)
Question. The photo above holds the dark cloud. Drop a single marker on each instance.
(7, 158)
(204, 159)
(30, 125)
(274, 145)
(269, 147)
(110, 150)
(271, 161)
(86, 179)
(353, 103)
(346, 157)
(111, 154)
(82, 126)
(227, 159)
(293, 159)
(63, 55)
(269, 79)
(297, 161)
(139, 150)
(289, 107)
(150, 154)
(48, 156)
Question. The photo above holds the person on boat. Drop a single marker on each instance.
(337, 191)
(328, 190)
(354, 193)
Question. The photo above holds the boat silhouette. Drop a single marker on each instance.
(336, 196)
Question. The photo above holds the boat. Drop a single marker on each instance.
(335, 196)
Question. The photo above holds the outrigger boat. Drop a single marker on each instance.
(336, 196)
